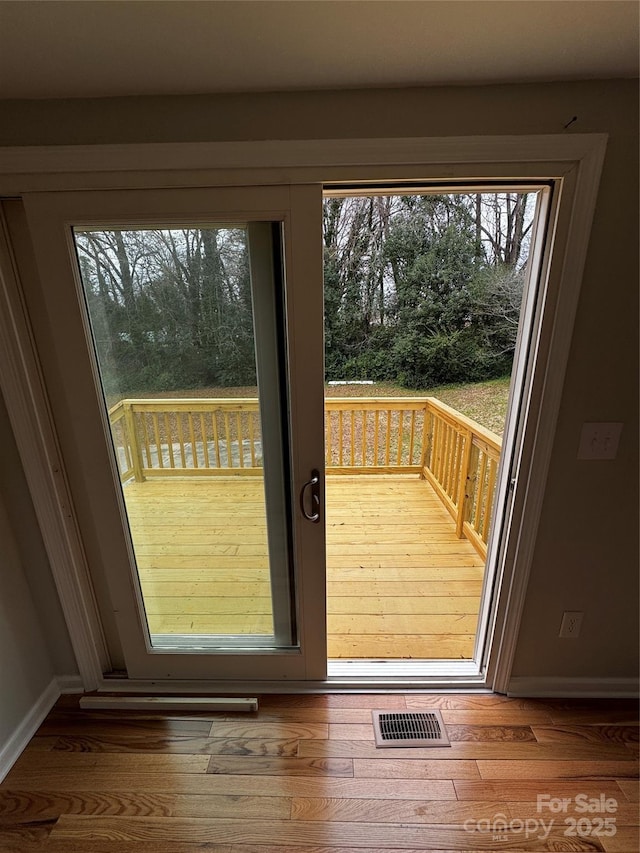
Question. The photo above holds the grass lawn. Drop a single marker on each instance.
(484, 402)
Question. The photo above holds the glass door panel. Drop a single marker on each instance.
(182, 348)
(179, 351)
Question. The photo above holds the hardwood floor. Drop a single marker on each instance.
(302, 776)
(400, 583)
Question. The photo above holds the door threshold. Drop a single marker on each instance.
(343, 676)
(333, 684)
(346, 669)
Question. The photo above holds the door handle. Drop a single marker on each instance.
(314, 485)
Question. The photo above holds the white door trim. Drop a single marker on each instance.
(572, 238)
(30, 416)
(572, 158)
(49, 167)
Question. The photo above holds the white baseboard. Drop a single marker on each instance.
(565, 688)
(70, 684)
(12, 749)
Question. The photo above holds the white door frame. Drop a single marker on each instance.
(573, 161)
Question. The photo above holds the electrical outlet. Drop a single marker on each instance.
(571, 624)
(599, 441)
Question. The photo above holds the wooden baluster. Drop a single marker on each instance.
(488, 511)
(434, 446)
(453, 464)
(328, 448)
(437, 449)
(446, 457)
(340, 438)
(412, 435)
(446, 446)
(252, 440)
(453, 468)
(227, 432)
(387, 454)
(451, 440)
(156, 433)
(145, 437)
(119, 436)
(240, 438)
(376, 435)
(427, 439)
(457, 460)
(464, 485)
(203, 434)
(216, 438)
(169, 434)
(192, 439)
(352, 454)
(128, 461)
(400, 438)
(429, 447)
(479, 504)
(443, 451)
(364, 415)
(119, 445)
(183, 455)
(127, 449)
(132, 440)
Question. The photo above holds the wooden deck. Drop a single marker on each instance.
(400, 582)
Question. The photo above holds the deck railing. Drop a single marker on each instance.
(461, 463)
(391, 435)
(374, 435)
(186, 437)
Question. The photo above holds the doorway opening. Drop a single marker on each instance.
(424, 294)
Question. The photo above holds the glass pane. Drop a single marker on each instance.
(170, 310)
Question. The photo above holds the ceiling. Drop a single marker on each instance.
(53, 49)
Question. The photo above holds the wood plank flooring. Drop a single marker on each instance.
(400, 583)
(302, 776)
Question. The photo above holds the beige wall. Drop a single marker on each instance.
(586, 556)
(26, 668)
(27, 541)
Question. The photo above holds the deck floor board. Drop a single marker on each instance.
(400, 583)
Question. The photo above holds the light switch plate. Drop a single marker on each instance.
(599, 441)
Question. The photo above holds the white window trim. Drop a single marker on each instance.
(577, 158)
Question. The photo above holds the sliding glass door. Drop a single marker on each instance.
(191, 391)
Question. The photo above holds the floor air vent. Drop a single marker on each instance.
(409, 729)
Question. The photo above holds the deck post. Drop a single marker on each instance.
(463, 499)
(136, 455)
(426, 439)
